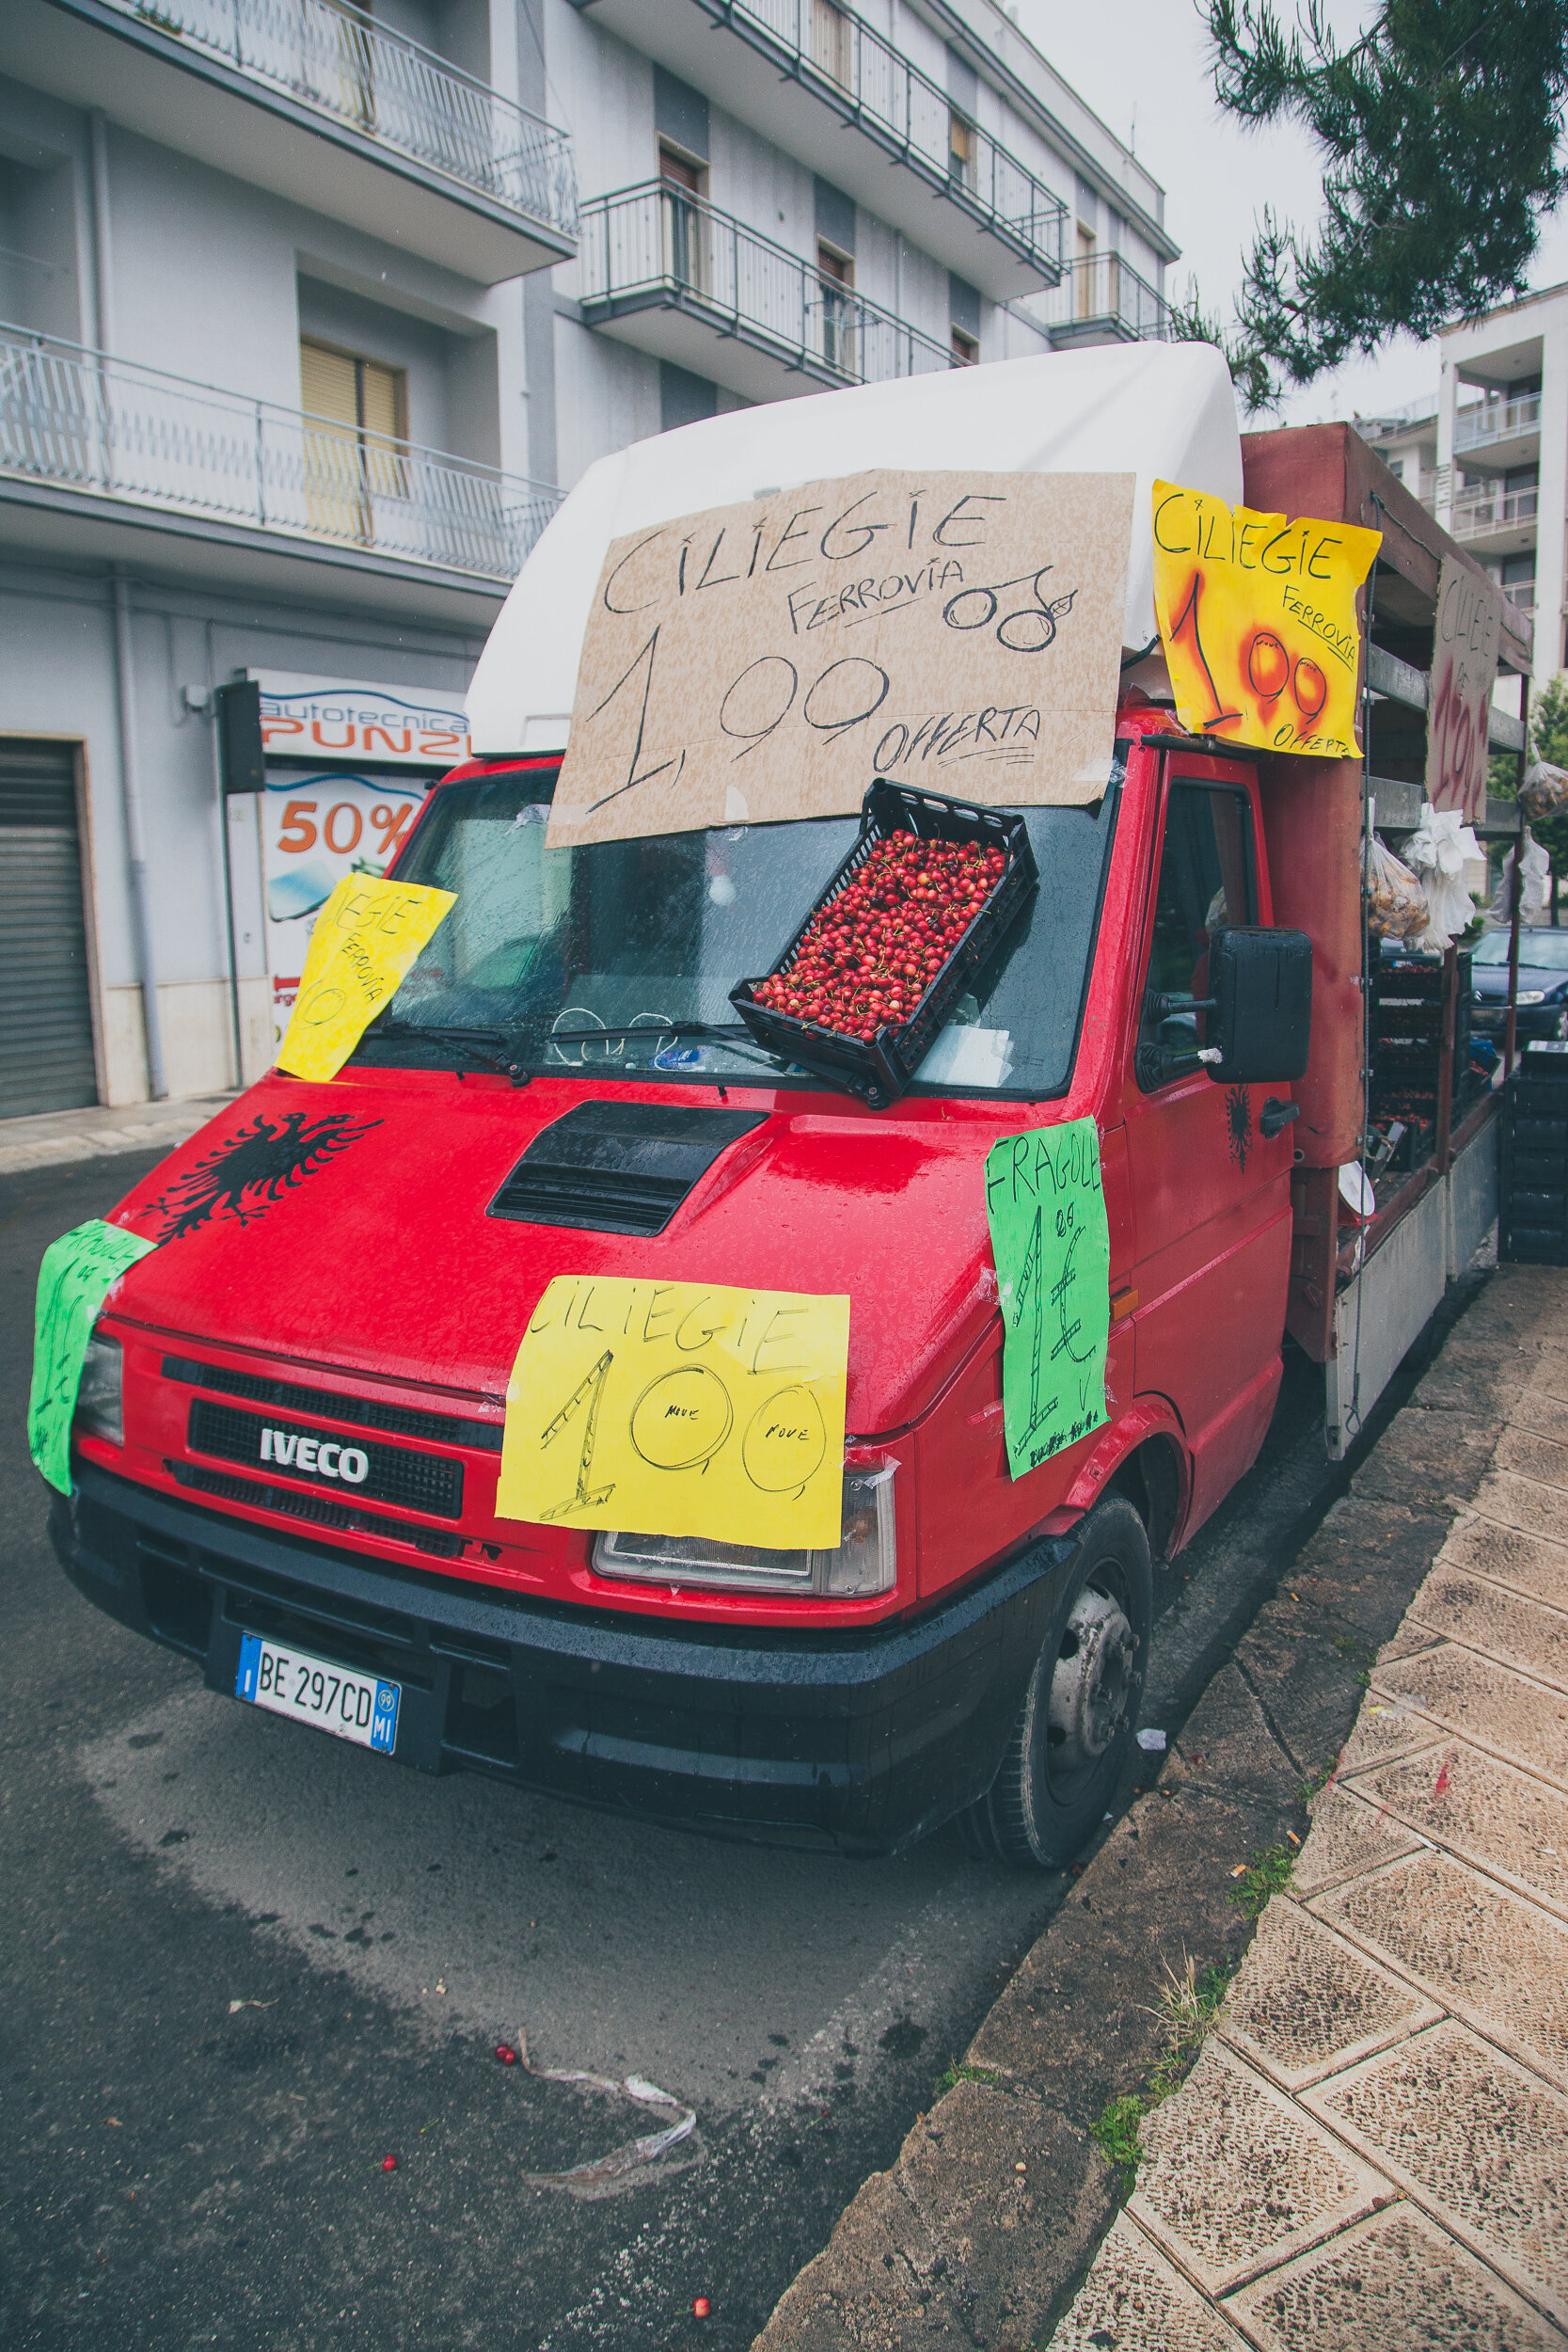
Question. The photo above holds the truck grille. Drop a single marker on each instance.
(396, 1475)
(316, 1508)
(364, 1412)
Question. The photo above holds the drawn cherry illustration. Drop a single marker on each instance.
(1311, 687)
(785, 1440)
(1268, 666)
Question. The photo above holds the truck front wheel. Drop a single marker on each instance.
(1069, 1740)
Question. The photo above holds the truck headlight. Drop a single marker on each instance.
(97, 1398)
(866, 1562)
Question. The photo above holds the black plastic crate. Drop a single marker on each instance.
(882, 1070)
(1533, 1210)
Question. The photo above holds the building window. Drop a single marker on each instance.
(1518, 582)
(355, 438)
(835, 275)
(966, 349)
(962, 149)
(684, 224)
(1396, 467)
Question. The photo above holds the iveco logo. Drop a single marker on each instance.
(318, 1456)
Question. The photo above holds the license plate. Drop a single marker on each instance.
(356, 1706)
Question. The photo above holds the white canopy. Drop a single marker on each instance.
(1155, 409)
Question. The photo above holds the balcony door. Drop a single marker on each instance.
(354, 440)
(835, 278)
(683, 222)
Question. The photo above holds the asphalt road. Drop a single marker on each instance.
(245, 1963)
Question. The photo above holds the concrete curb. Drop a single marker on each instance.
(68, 1138)
(980, 2232)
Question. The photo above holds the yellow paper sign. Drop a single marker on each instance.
(366, 939)
(679, 1409)
(1258, 619)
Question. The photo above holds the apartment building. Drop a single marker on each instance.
(311, 312)
(1488, 455)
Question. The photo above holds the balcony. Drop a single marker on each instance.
(830, 89)
(1501, 520)
(1100, 301)
(105, 437)
(323, 107)
(1488, 425)
(677, 278)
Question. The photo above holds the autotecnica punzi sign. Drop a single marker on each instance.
(327, 720)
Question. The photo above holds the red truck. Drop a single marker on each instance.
(286, 1450)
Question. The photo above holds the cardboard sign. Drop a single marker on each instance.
(77, 1275)
(366, 940)
(1464, 672)
(1258, 619)
(679, 1409)
(769, 660)
(1052, 1244)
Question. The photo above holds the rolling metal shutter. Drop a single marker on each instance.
(45, 1008)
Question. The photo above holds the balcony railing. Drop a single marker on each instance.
(85, 423)
(654, 245)
(1476, 513)
(342, 63)
(1490, 421)
(1101, 296)
(1520, 594)
(857, 70)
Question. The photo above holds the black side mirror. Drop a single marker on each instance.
(1259, 1021)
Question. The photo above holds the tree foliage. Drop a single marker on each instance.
(1439, 130)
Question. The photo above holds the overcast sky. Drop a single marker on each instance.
(1142, 66)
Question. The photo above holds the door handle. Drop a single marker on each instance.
(1275, 1117)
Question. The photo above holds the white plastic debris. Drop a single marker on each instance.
(1152, 1742)
(632, 2152)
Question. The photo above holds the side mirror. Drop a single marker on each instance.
(1258, 1018)
(1261, 1020)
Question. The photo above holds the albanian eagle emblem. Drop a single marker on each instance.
(243, 1176)
(1237, 1124)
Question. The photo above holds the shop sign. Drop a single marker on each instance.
(317, 827)
(328, 719)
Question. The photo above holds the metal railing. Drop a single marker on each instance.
(1476, 511)
(846, 61)
(1489, 421)
(86, 423)
(1100, 290)
(343, 63)
(1520, 594)
(654, 245)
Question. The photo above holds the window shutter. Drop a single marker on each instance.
(326, 386)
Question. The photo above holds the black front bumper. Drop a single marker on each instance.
(862, 1741)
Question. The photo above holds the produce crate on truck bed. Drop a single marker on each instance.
(881, 1069)
(1407, 1036)
(1533, 1210)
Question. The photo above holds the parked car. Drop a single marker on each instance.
(1543, 983)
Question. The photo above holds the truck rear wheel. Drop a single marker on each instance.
(1069, 1740)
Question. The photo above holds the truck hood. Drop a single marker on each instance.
(346, 1226)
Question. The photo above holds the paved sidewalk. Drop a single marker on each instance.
(1372, 2150)
(58, 1138)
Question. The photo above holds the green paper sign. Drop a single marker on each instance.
(77, 1274)
(1046, 1207)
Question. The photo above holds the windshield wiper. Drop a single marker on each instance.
(726, 1030)
(458, 1039)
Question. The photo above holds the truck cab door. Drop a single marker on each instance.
(1211, 1192)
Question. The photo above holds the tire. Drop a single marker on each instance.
(1071, 1738)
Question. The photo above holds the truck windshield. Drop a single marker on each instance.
(644, 941)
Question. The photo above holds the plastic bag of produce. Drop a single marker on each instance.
(1396, 903)
(1535, 883)
(1544, 792)
(1437, 853)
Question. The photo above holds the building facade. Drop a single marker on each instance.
(309, 313)
(1488, 456)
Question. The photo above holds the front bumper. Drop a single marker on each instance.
(1531, 1021)
(860, 1742)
